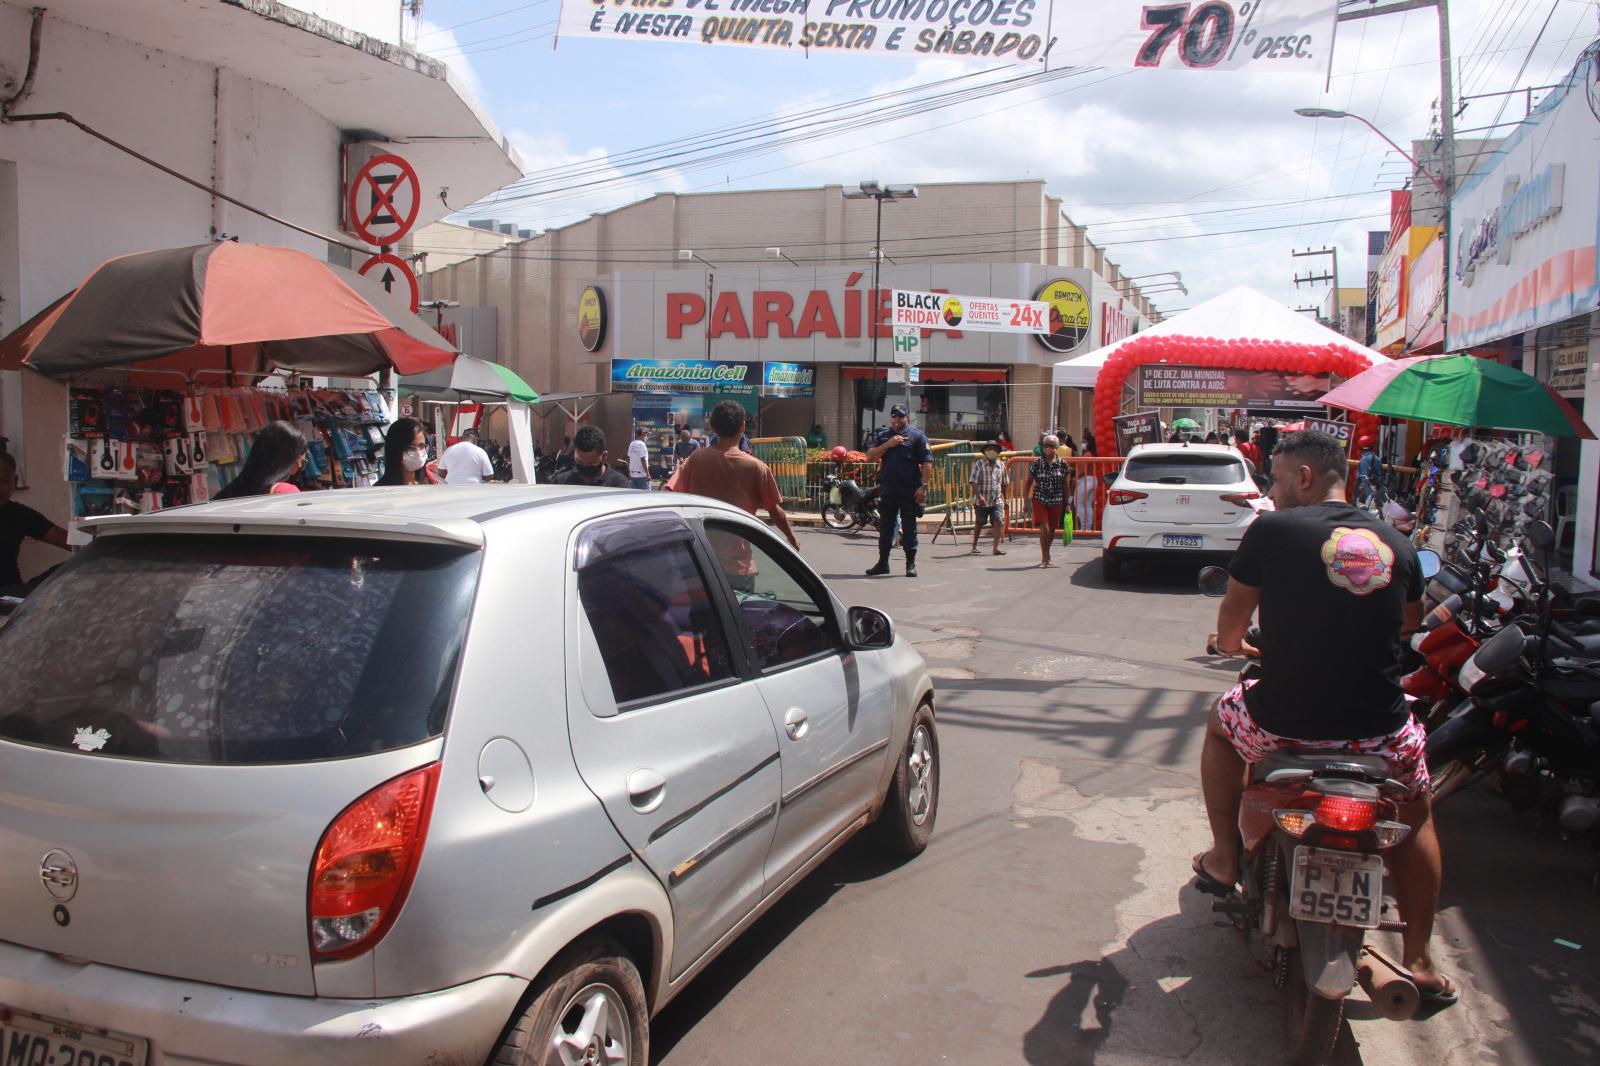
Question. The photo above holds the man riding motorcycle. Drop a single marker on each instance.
(1335, 588)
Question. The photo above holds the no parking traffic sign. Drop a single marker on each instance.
(391, 271)
(382, 199)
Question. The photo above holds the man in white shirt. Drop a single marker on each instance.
(464, 463)
(639, 462)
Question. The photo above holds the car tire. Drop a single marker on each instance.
(1110, 566)
(592, 977)
(906, 824)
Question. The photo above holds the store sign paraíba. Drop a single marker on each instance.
(1525, 253)
(827, 314)
(1168, 385)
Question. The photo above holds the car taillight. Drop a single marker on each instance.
(365, 862)
(1240, 499)
(1346, 815)
(1117, 497)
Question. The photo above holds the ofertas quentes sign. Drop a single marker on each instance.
(937, 310)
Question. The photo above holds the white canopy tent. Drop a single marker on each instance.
(1239, 314)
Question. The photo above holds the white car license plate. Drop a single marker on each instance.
(1182, 540)
(29, 1040)
(1336, 887)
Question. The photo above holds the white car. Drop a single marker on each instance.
(1177, 501)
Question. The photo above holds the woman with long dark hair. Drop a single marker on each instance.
(276, 455)
(405, 455)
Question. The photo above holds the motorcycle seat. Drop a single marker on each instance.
(1572, 691)
(1370, 768)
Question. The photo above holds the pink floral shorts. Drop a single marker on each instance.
(1404, 750)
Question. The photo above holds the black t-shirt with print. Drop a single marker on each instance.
(1334, 584)
(17, 524)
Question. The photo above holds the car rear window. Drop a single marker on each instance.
(1185, 470)
(238, 649)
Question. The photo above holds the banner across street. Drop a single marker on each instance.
(1273, 36)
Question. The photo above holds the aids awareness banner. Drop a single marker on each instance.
(1286, 36)
(985, 314)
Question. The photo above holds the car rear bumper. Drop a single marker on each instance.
(188, 1023)
(1221, 540)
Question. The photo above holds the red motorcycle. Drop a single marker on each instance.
(1445, 646)
(1315, 825)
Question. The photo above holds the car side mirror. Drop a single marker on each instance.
(1214, 582)
(870, 629)
(1109, 479)
(1431, 563)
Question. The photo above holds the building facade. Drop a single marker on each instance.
(661, 307)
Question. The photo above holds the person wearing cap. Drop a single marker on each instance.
(906, 463)
(1369, 472)
(988, 495)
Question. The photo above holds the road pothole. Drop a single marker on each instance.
(951, 673)
(1075, 667)
(946, 648)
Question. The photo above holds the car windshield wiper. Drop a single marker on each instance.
(1173, 479)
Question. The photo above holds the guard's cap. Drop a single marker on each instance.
(899, 411)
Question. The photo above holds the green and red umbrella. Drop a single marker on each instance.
(226, 305)
(469, 378)
(1460, 390)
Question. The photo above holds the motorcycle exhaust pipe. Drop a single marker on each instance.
(1389, 987)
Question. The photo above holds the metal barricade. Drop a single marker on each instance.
(1085, 492)
(786, 458)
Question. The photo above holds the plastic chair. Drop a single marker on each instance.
(1566, 510)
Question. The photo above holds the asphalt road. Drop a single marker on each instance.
(1049, 923)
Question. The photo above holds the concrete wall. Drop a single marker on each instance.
(1583, 556)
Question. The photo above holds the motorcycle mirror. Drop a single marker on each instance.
(1431, 563)
(1214, 582)
(1542, 536)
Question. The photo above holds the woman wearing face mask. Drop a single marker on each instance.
(405, 455)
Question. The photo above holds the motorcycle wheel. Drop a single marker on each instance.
(1459, 771)
(1310, 1023)
(836, 517)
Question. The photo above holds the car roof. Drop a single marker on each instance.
(1181, 449)
(436, 513)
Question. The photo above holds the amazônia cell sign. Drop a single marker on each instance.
(1284, 36)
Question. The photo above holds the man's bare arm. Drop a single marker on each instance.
(1233, 616)
(781, 520)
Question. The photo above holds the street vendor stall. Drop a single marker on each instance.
(173, 360)
(483, 381)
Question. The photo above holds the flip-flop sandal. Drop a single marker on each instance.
(974, 551)
(1205, 882)
(1434, 1000)
(997, 551)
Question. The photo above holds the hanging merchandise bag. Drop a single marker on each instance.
(1066, 529)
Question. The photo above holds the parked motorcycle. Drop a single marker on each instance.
(1315, 826)
(849, 506)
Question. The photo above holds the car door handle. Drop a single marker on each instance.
(646, 790)
(795, 723)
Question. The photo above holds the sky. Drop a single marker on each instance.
(1206, 172)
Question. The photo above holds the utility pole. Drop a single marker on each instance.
(1316, 279)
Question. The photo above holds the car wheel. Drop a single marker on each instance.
(906, 824)
(1110, 566)
(587, 1007)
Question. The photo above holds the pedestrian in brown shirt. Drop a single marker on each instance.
(725, 473)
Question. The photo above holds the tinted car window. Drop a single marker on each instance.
(1185, 470)
(785, 621)
(653, 617)
(230, 649)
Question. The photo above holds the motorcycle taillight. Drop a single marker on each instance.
(1345, 814)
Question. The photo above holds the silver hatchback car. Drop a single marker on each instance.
(407, 776)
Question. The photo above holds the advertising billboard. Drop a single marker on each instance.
(1165, 385)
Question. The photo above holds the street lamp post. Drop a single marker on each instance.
(1325, 112)
(686, 255)
(872, 190)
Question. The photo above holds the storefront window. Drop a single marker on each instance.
(962, 412)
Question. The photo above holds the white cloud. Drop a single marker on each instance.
(436, 41)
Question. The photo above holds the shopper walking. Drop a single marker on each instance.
(906, 465)
(405, 455)
(639, 461)
(590, 467)
(19, 522)
(1047, 485)
(276, 454)
(726, 472)
(464, 462)
(989, 495)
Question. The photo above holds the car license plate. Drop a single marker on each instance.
(1183, 501)
(29, 1040)
(1182, 540)
(1336, 887)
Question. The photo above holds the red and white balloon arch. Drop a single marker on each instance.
(1235, 354)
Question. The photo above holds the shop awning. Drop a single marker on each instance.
(932, 374)
(470, 377)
